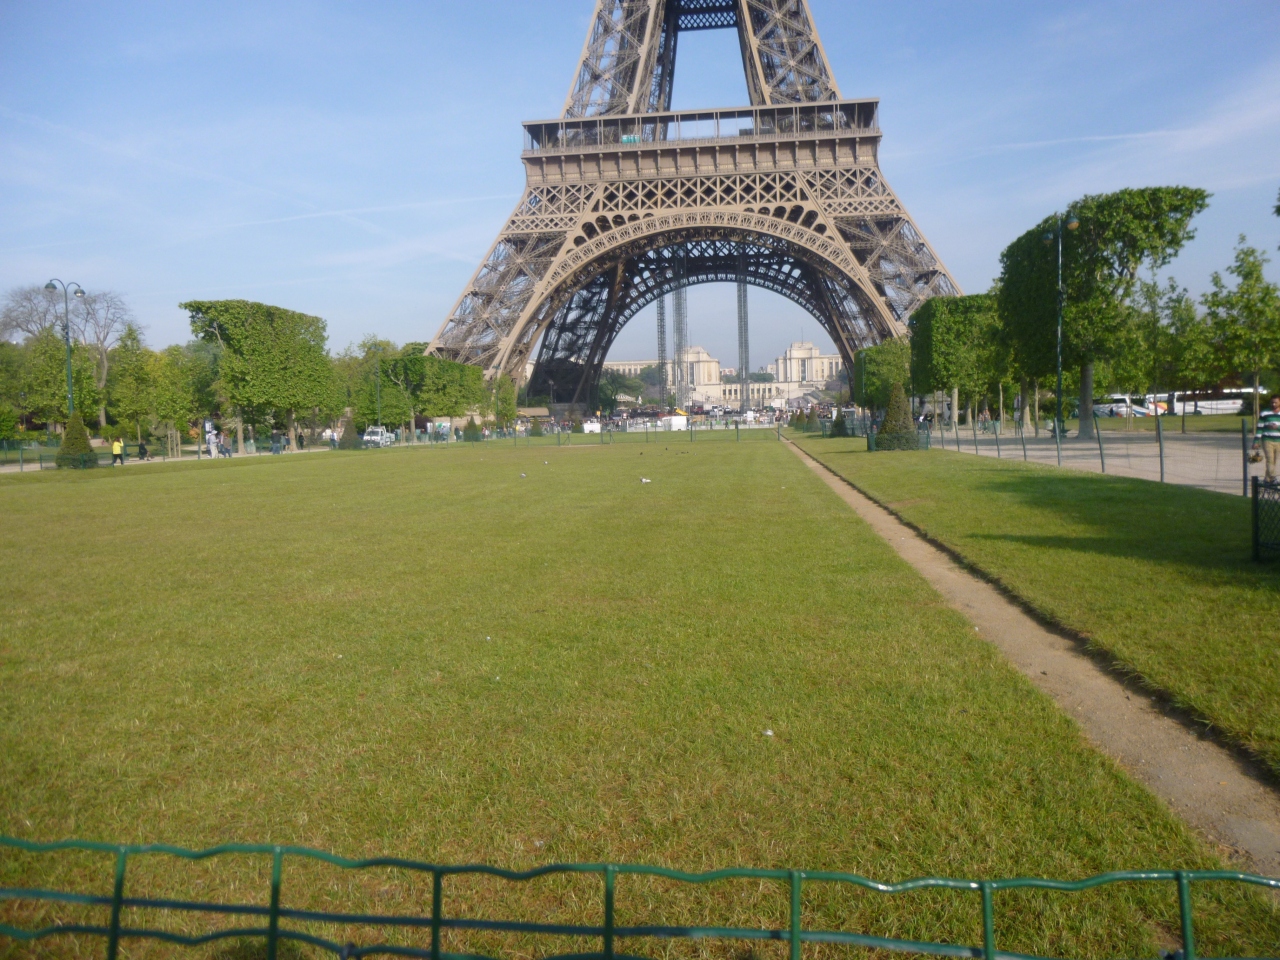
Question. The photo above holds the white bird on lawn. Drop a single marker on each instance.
(644, 480)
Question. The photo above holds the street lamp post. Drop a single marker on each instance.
(52, 286)
(1071, 223)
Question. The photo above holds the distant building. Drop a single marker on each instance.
(798, 374)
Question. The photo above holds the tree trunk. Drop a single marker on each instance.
(1086, 402)
(1035, 414)
(1024, 414)
(239, 431)
(1001, 417)
(955, 406)
(1255, 400)
(293, 432)
(102, 416)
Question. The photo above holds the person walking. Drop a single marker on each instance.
(1267, 435)
(117, 452)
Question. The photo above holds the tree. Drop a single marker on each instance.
(614, 385)
(273, 360)
(954, 347)
(29, 311)
(129, 387)
(174, 401)
(1119, 234)
(877, 368)
(897, 431)
(471, 432)
(75, 452)
(451, 389)
(504, 407)
(838, 426)
(99, 320)
(1246, 319)
(46, 377)
(1190, 357)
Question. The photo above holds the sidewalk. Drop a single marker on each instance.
(1210, 461)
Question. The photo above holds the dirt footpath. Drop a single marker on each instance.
(1202, 782)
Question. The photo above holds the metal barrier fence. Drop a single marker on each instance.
(1211, 461)
(276, 915)
(1266, 520)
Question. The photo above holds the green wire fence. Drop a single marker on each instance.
(795, 935)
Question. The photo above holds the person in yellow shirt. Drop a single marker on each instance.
(117, 451)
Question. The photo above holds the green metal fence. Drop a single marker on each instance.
(277, 917)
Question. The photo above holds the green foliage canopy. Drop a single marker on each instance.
(877, 369)
(273, 359)
(1119, 235)
(955, 344)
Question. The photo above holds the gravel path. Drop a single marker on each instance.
(1212, 790)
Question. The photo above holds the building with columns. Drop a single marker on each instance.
(805, 371)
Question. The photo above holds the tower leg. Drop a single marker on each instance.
(680, 338)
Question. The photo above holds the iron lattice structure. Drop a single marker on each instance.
(626, 201)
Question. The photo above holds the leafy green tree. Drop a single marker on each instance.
(812, 424)
(505, 401)
(877, 368)
(46, 383)
(1119, 235)
(1190, 358)
(955, 345)
(76, 452)
(451, 389)
(613, 385)
(897, 431)
(1246, 318)
(273, 360)
(14, 361)
(174, 376)
(129, 387)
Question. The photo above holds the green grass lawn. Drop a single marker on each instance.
(1158, 576)
(424, 653)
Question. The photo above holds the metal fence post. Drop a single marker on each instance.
(1160, 440)
(996, 427)
(1257, 545)
(1022, 435)
(1057, 439)
(1244, 453)
(1098, 433)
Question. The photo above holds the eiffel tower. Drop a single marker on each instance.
(626, 201)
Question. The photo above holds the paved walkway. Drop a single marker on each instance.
(1211, 461)
(34, 467)
(1205, 784)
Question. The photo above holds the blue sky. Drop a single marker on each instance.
(355, 160)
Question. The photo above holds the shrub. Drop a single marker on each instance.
(812, 425)
(898, 432)
(350, 438)
(535, 428)
(76, 452)
(576, 426)
(838, 426)
(471, 432)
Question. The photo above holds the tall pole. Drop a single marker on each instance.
(378, 390)
(53, 285)
(1059, 424)
(744, 347)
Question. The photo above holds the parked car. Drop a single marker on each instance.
(378, 437)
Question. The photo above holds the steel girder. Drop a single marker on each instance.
(583, 250)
